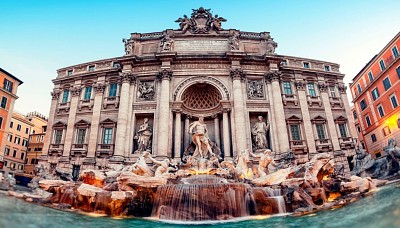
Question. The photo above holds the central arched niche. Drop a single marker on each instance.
(201, 97)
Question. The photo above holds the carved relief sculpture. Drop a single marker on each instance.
(234, 41)
(271, 45)
(201, 21)
(259, 132)
(146, 90)
(143, 136)
(255, 89)
(166, 43)
(129, 45)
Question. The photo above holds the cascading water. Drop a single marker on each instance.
(202, 198)
(276, 194)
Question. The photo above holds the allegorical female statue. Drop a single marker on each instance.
(259, 132)
(144, 136)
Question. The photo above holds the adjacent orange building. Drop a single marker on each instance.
(376, 95)
(36, 141)
(8, 95)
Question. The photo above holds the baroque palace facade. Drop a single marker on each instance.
(105, 112)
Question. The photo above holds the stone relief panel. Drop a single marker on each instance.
(145, 90)
(255, 89)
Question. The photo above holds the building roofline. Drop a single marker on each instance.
(12, 76)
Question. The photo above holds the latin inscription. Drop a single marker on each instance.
(201, 45)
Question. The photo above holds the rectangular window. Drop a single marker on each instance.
(107, 136)
(395, 52)
(69, 72)
(10, 138)
(3, 102)
(311, 90)
(373, 138)
(386, 83)
(393, 99)
(327, 68)
(398, 71)
(7, 151)
(306, 65)
(368, 120)
(113, 90)
(11, 124)
(7, 85)
(65, 96)
(1, 122)
(320, 131)
(116, 65)
(91, 68)
(19, 127)
(295, 132)
(22, 155)
(370, 76)
(359, 88)
(342, 129)
(81, 136)
(15, 153)
(332, 91)
(88, 93)
(375, 94)
(287, 88)
(382, 65)
(363, 104)
(25, 142)
(358, 129)
(26, 130)
(386, 131)
(57, 136)
(284, 62)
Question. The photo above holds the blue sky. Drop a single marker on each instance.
(39, 37)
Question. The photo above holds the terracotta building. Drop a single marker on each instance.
(103, 113)
(8, 95)
(36, 140)
(376, 93)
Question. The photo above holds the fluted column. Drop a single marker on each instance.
(279, 111)
(122, 122)
(98, 89)
(47, 138)
(75, 93)
(272, 129)
(349, 114)
(178, 135)
(216, 131)
(238, 75)
(186, 139)
(225, 134)
(164, 76)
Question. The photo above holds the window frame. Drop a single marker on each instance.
(287, 87)
(395, 53)
(384, 85)
(65, 96)
(88, 93)
(382, 65)
(321, 130)
(370, 76)
(313, 89)
(368, 120)
(363, 107)
(111, 89)
(391, 101)
(381, 111)
(375, 94)
(3, 103)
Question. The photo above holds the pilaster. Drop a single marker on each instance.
(75, 93)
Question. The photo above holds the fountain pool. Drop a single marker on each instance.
(381, 209)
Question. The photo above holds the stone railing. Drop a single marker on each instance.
(111, 101)
(336, 101)
(314, 100)
(323, 144)
(58, 148)
(287, 98)
(250, 35)
(63, 107)
(88, 67)
(346, 143)
(86, 104)
(298, 146)
(107, 149)
(153, 35)
(79, 148)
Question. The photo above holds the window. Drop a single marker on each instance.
(358, 129)
(3, 102)
(26, 130)
(332, 91)
(7, 85)
(386, 131)
(12, 165)
(398, 122)
(398, 71)
(359, 88)
(393, 99)
(375, 94)
(65, 96)
(91, 68)
(88, 93)
(295, 132)
(116, 65)
(320, 131)
(306, 65)
(284, 62)
(327, 68)
(382, 64)
(311, 89)
(21, 167)
(17, 140)
(370, 76)
(22, 155)
(373, 138)
(57, 136)
(81, 136)
(10, 138)
(7, 151)
(342, 130)
(363, 104)
(19, 127)
(107, 136)
(386, 83)
(395, 52)
(11, 124)
(1, 122)
(368, 120)
(355, 115)
(24, 142)
(287, 89)
(15, 153)
(69, 72)
(113, 90)
(380, 110)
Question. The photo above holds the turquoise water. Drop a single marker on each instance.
(381, 209)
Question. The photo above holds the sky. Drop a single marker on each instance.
(38, 37)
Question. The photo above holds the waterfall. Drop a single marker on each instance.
(202, 198)
(276, 194)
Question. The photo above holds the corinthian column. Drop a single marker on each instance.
(216, 131)
(120, 137)
(47, 138)
(238, 76)
(164, 76)
(178, 134)
(75, 94)
(225, 135)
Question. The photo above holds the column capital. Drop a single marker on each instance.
(237, 74)
(76, 90)
(127, 77)
(322, 86)
(55, 94)
(273, 76)
(342, 88)
(300, 85)
(164, 74)
(99, 88)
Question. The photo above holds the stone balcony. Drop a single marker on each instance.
(323, 145)
(298, 146)
(346, 143)
(111, 101)
(290, 98)
(81, 149)
(336, 102)
(63, 107)
(314, 100)
(86, 104)
(56, 148)
(105, 149)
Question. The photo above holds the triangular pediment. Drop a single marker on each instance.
(60, 124)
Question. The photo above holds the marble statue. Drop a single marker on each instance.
(266, 164)
(198, 129)
(146, 90)
(184, 23)
(259, 132)
(144, 136)
(164, 169)
(128, 46)
(166, 43)
(393, 150)
(234, 41)
(242, 167)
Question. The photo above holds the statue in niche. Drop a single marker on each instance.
(266, 164)
(198, 129)
(146, 90)
(166, 43)
(255, 90)
(234, 41)
(129, 44)
(143, 136)
(259, 132)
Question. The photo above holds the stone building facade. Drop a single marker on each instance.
(166, 80)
